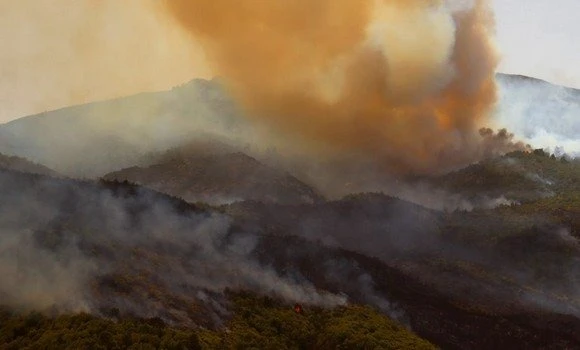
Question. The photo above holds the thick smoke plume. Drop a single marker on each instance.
(404, 82)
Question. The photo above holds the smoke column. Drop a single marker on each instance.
(406, 82)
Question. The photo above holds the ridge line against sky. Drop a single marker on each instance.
(538, 38)
(535, 37)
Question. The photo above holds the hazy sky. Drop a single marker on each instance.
(56, 53)
(540, 38)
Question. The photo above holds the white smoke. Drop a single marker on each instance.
(544, 115)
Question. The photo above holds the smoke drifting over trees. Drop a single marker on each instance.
(60, 237)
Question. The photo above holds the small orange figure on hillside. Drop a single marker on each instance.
(298, 308)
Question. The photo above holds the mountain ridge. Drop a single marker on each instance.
(157, 121)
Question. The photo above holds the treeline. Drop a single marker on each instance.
(257, 323)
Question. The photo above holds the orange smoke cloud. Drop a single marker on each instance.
(405, 81)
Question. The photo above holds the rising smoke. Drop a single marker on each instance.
(540, 113)
(406, 83)
(402, 85)
(74, 246)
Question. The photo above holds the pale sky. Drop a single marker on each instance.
(540, 38)
(52, 55)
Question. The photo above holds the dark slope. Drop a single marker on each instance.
(113, 246)
(537, 254)
(218, 179)
(373, 224)
(23, 165)
(99, 246)
(483, 268)
(449, 322)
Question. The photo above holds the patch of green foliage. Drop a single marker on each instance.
(523, 176)
(266, 323)
(257, 323)
(84, 331)
(361, 327)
